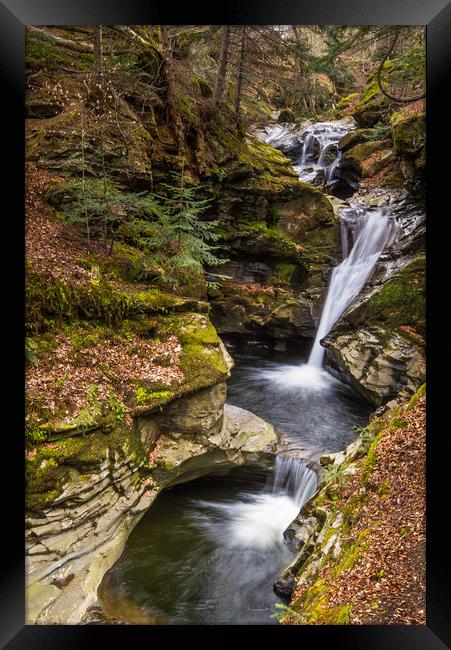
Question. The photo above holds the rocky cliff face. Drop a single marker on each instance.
(281, 239)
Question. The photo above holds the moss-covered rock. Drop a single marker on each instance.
(356, 136)
(366, 159)
(409, 133)
(401, 302)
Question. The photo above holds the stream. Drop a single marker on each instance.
(209, 551)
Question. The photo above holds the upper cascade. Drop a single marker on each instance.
(313, 149)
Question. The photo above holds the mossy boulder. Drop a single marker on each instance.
(400, 303)
(365, 160)
(356, 136)
(346, 102)
(409, 133)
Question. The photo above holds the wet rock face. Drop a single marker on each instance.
(279, 314)
(198, 415)
(73, 542)
(279, 264)
(377, 364)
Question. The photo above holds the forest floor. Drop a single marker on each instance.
(387, 583)
(77, 357)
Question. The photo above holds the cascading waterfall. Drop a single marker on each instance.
(214, 557)
(257, 521)
(371, 233)
(364, 234)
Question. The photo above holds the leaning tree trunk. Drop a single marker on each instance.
(239, 84)
(172, 88)
(403, 100)
(223, 60)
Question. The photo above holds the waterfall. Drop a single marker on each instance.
(293, 478)
(319, 140)
(364, 234)
(371, 233)
(258, 520)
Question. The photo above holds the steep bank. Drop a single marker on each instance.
(361, 539)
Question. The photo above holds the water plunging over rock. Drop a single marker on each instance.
(211, 553)
(370, 234)
(313, 149)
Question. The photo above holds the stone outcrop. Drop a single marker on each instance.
(377, 364)
(280, 254)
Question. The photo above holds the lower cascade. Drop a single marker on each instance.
(210, 552)
(259, 520)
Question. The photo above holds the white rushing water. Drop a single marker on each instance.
(364, 234)
(317, 143)
(257, 521)
(371, 233)
(320, 151)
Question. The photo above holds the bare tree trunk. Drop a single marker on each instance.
(98, 48)
(298, 56)
(223, 60)
(172, 88)
(239, 84)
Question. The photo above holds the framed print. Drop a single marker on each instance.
(216, 251)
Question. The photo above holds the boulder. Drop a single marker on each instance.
(409, 133)
(354, 137)
(377, 363)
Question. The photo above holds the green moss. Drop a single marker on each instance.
(401, 301)
(409, 132)
(273, 241)
(51, 302)
(144, 396)
(42, 55)
(346, 101)
(399, 423)
(283, 273)
(414, 399)
(372, 106)
(370, 460)
(55, 463)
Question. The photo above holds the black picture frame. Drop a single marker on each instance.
(14, 15)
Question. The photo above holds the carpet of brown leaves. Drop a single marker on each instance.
(64, 373)
(51, 245)
(387, 584)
